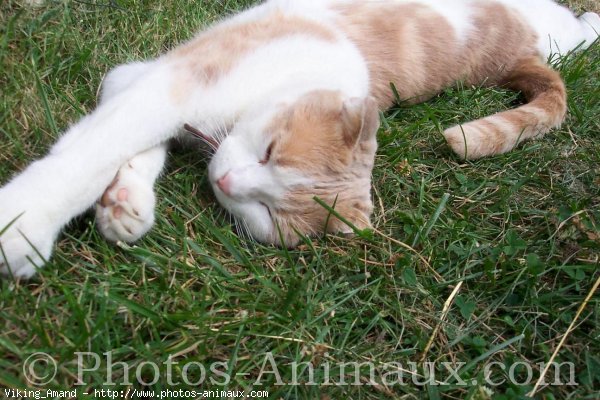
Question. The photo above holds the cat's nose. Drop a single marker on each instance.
(224, 183)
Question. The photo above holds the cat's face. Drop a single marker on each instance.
(267, 172)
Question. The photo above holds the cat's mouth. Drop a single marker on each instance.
(256, 220)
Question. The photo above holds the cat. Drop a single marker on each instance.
(288, 94)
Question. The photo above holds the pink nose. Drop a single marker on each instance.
(224, 183)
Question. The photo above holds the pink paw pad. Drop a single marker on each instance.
(117, 211)
(122, 194)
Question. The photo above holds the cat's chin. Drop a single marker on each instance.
(255, 220)
(252, 218)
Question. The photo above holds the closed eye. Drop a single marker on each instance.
(267, 156)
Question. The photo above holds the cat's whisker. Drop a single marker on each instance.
(206, 152)
(240, 229)
(248, 231)
(207, 148)
(220, 131)
(220, 215)
(210, 141)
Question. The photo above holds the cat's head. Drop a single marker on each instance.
(269, 169)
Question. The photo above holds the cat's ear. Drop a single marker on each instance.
(360, 119)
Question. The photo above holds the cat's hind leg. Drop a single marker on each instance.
(126, 209)
(546, 106)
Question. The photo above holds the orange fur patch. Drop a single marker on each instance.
(417, 50)
(311, 134)
(332, 141)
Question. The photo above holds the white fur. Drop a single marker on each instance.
(591, 26)
(137, 114)
(557, 30)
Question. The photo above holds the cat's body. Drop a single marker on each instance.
(296, 86)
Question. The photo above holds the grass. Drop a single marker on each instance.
(510, 243)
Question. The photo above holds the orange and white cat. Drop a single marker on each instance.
(288, 93)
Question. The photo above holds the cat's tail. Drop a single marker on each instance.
(546, 106)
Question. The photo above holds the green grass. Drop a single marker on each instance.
(519, 233)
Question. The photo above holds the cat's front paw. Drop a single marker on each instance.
(26, 239)
(126, 210)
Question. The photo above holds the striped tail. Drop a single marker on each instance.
(546, 107)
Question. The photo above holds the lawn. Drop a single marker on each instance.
(476, 271)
